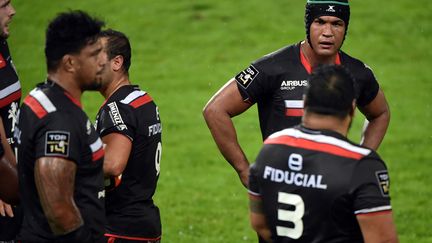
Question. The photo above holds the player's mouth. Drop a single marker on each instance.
(326, 44)
(5, 29)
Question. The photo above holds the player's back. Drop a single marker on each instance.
(308, 182)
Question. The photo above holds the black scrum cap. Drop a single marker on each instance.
(317, 8)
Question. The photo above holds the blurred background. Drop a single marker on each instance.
(185, 50)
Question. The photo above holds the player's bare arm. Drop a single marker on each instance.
(377, 113)
(55, 179)
(8, 152)
(377, 228)
(224, 105)
(8, 181)
(9, 176)
(117, 150)
(257, 218)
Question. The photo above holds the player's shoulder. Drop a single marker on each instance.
(48, 107)
(373, 158)
(282, 57)
(357, 67)
(325, 141)
(44, 100)
(131, 96)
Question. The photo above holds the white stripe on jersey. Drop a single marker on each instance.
(254, 193)
(293, 103)
(96, 145)
(43, 100)
(319, 138)
(10, 89)
(132, 96)
(373, 210)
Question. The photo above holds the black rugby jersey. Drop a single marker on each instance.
(10, 91)
(10, 96)
(314, 183)
(130, 208)
(51, 123)
(277, 82)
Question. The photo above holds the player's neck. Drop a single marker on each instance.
(326, 122)
(314, 59)
(115, 85)
(67, 83)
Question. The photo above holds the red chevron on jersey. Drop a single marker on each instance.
(137, 99)
(294, 107)
(97, 150)
(10, 94)
(39, 103)
(317, 142)
(115, 236)
(308, 66)
(2, 61)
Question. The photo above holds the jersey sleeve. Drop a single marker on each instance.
(253, 181)
(59, 136)
(116, 117)
(368, 87)
(253, 83)
(370, 186)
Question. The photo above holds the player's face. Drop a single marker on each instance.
(107, 75)
(90, 66)
(326, 35)
(6, 14)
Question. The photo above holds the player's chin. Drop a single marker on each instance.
(4, 33)
(327, 51)
(95, 85)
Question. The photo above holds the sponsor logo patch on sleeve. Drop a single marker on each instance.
(246, 76)
(57, 143)
(383, 182)
(116, 117)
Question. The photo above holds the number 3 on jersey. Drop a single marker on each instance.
(294, 217)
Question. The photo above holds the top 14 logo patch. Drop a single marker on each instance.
(383, 182)
(247, 76)
(57, 143)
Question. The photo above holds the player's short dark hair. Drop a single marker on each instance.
(331, 90)
(118, 44)
(68, 33)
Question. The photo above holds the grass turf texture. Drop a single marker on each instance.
(184, 51)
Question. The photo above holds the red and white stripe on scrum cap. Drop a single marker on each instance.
(317, 142)
(137, 98)
(39, 103)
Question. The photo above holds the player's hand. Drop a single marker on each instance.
(244, 177)
(6, 209)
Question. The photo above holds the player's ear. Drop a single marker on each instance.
(353, 107)
(117, 63)
(68, 62)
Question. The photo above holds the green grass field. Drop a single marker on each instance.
(184, 51)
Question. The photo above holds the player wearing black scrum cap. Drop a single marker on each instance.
(276, 83)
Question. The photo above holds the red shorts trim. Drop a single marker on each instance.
(112, 237)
